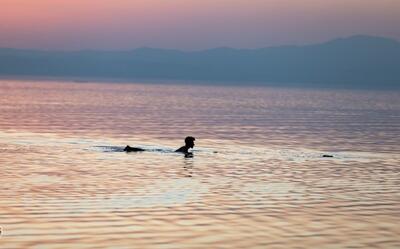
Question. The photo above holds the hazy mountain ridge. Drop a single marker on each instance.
(357, 61)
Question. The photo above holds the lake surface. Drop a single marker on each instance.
(257, 178)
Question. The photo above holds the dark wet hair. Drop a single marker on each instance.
(189, 139)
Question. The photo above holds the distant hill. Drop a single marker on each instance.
(357, 61)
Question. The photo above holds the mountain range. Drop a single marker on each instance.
(356, 61)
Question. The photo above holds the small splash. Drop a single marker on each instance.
(108, 148)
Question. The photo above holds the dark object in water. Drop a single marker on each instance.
(327, 156)
(189, 155)
(133, 149)
(189, 144)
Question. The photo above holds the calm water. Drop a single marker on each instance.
(257, 178)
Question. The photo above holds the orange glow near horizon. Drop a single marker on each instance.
(189, 24)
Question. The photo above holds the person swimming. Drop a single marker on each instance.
(189, 144)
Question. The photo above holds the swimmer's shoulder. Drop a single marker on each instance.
(181, 149)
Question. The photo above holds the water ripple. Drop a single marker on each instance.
(257, 178)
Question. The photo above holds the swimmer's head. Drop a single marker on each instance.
(189, 142)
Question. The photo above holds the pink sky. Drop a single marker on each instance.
(190, 24)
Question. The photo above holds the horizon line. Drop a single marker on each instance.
(201, 50)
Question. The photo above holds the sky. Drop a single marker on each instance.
(190, 24)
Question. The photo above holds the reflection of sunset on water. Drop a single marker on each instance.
(257, 178)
